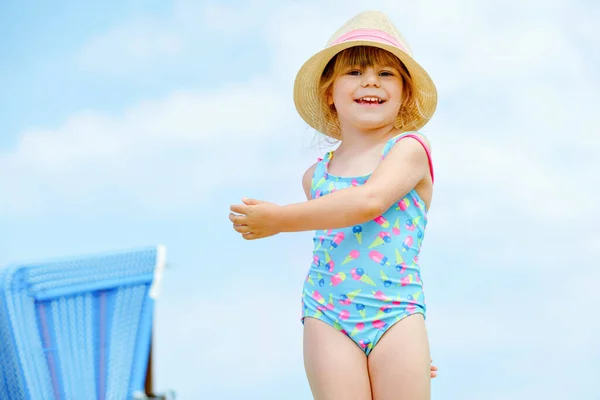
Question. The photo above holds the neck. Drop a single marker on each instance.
(353, 138)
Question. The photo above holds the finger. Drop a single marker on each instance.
(238, 219)
(249, 235)
(239, 208)
(242, 228)
(250, 202)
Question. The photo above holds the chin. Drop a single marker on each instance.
(369, 125)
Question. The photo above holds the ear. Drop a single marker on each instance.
(329, 98)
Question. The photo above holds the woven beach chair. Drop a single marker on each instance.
(79, 328)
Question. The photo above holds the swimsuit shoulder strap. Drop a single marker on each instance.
(414, 135)
(320, 174)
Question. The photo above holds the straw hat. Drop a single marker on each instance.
(369, 28)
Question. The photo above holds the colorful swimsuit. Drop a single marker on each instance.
(364, 278)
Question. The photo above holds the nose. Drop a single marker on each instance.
(370, 78)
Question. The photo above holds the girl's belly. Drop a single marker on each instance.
(356, 284)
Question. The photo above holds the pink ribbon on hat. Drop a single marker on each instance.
(369, 34)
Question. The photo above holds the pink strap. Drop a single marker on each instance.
(410, 135)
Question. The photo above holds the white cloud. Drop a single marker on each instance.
(188, 140)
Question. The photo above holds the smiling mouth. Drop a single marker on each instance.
(369, 100)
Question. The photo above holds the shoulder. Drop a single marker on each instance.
(425, 141)
(417, 137)
(412, 147)
(307, 179)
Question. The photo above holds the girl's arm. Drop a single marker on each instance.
(402, 169)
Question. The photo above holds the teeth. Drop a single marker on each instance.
(371, 99)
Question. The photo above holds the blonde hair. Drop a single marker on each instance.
(364, 57)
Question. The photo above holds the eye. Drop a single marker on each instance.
(354, 72)
(386, 73)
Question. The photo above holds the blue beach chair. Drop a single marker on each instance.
(78, 328)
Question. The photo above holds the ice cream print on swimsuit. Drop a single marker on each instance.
(366, 277)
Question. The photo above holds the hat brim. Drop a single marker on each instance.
(306, 85)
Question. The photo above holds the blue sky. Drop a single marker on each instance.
(135, 123)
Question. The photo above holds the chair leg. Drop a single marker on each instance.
(149, 378)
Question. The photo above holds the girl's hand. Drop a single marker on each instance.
(255, 219)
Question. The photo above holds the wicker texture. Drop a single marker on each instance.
(76, 328)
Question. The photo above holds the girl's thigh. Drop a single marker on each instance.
(399, 364)
(336, 367)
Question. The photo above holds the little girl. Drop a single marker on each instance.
(363, 307)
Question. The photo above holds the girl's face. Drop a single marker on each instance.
(367, 98)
